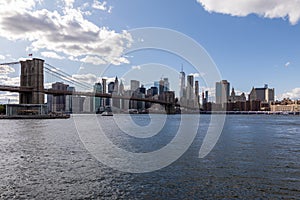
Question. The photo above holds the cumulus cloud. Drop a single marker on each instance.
(12, 81)
(8, 97)
(265, 8)
(68, 33)
(51, 54)
(85, 78)
(6, 69)
(102, 6)
(293, 94)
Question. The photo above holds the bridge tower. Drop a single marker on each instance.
(32, 76)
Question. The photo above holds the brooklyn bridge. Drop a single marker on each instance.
(32, 91)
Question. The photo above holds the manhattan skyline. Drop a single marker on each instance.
(257, 45)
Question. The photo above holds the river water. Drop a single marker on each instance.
(256, 156)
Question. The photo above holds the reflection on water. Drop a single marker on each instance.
(256, 157)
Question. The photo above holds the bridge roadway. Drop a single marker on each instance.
(91, 94)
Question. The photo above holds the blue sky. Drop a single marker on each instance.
(251, 42)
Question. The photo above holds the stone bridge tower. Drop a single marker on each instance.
(32, 76)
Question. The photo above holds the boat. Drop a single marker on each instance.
(106, 113)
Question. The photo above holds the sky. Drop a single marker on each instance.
(251, 42)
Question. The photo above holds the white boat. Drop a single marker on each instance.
(107, 113)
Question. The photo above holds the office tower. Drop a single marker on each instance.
(134, 85)
(166, 85)
(264, 94)
(104, 85)
(111, 87)
(182, 84)
(142, 89)
(69, 103)
(189, 87)
(58, 101)
(116, 86)
(104, 100)
(121, 88)
(97, 100)
(156, 84)
(222, 92)
(152, 91)
(161, 86)
(197, 97)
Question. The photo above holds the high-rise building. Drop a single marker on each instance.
(121, 88)
(166, 85)
(57, 103)
(189, 87)
(134, 85)
(104, 100)
(264, 94)
(222, 92)
(116, 86)
(111, 87)
(182, 84)
(97, 102)
(161, 86)
(104, 85)
(69, 103)
(197, 97)
(156, 84)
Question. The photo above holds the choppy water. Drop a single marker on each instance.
(255, 157)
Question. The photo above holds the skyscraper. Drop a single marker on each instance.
(182, 84)
(166, 85)
(104, 85)
(134, 85)
(264, 94)
(97, 100)
(121, 88)
(197, 97)
(189, 87)
(222, 92)
(116, 86)
(161, 86)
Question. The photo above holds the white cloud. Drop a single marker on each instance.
(102, 6)
(12, 81)
(2, 57)
(265, 8)
(8, 97)
(287, 64)
(51, 54)
(6, 69)
(93, 60)
(197, 75)
(69, 3)
(86, 78)
(293, 94)
(137, 67)
(68, 33)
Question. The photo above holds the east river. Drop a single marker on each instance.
(256, 156)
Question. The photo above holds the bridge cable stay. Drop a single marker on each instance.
(66, 75)
(10, 63)
(66, 78)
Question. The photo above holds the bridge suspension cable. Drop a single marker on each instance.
(65, 76)
(10, 63)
